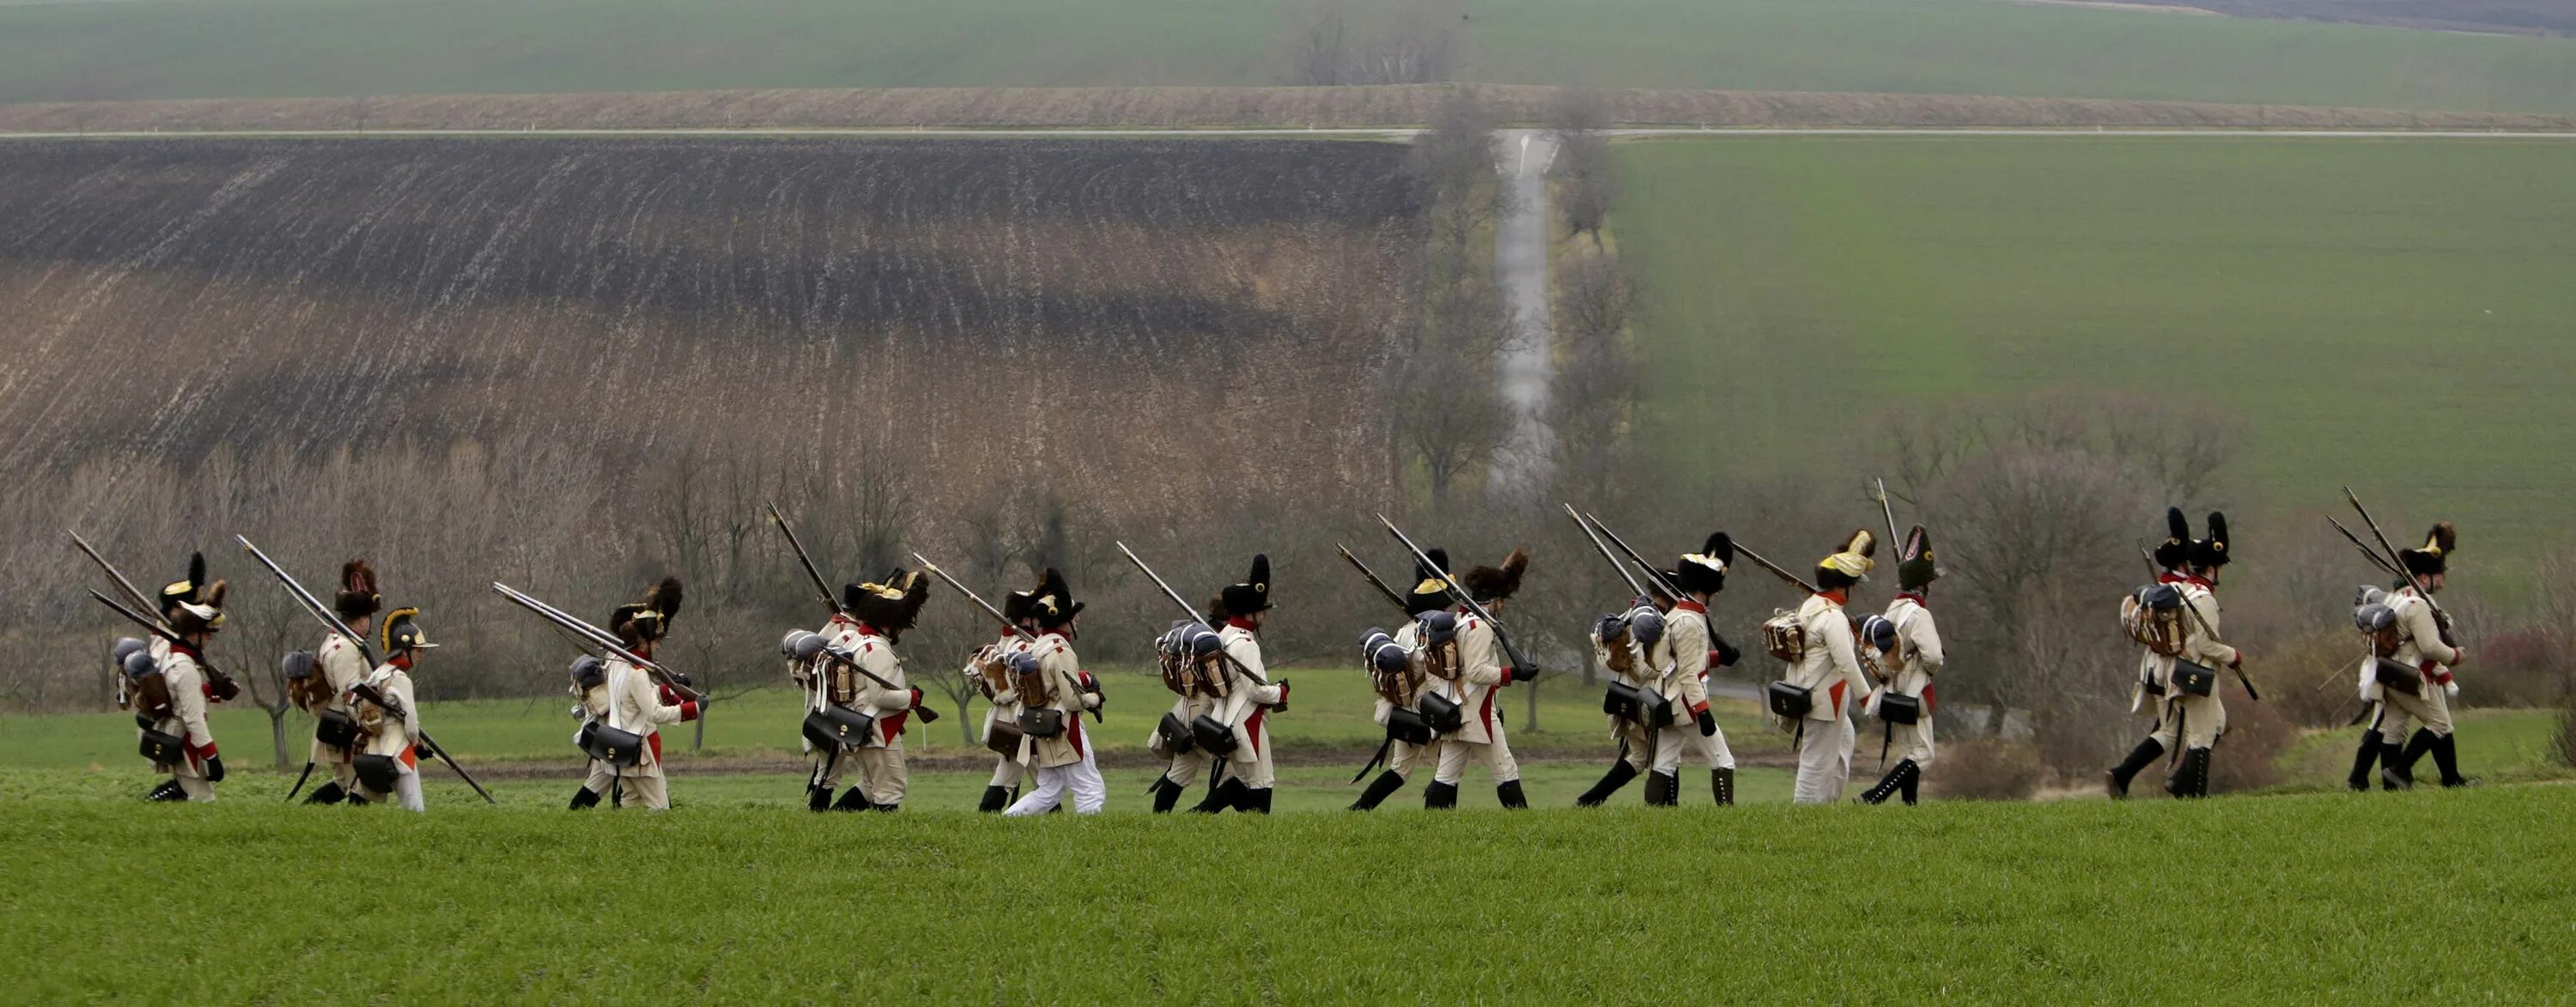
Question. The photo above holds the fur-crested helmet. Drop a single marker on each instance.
(1253, 594)
(1488, 584)
(1051, 603)
(1850, 563)
(2212, 552)
(197, 603)
(402, 632)
(2434, 556)
(648, 620)
(1430, 584)
(889, 605)
(1704, 572)
(1915, 569)
(2176, 547)
(357, 596)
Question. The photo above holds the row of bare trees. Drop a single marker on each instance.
(1345, 42)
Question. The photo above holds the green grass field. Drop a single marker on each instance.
(283, 48)
(2311, 290)
(2425, 897)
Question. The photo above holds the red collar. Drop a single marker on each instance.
(194, 653)
(1919, 599)
(2170, 577)
(1238, 622)
(2198, 581)
(840, 618)
(1837, 595)
(1688, 605)
(402, 661)
(867, 630)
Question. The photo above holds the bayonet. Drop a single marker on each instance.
(1670, 592)
(1459, 592)
(1635, 590)
(821, 586)
(1371, 577)
(1776, 569)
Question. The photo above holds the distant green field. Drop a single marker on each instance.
(2390, 314)
(2267, 900)
(280, 48)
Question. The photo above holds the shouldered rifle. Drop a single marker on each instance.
(2367, 553)
(1383, 591)
(313, 606)
(1193, 614)
(1459, 591)
(605, 642)
(1664, 586)
(133, 595)
(1776, 569)
(1634, 589)
(1895, 540)
(2203, 621)
(2399, 561)
(821, 586)
(1015, 628)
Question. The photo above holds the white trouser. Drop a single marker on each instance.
(2430, 711)
(1824, 761)
(1671, 743)
(1495, 756)
(1402, 756)
(1008, 773)
(406, 791)
(1090, 793)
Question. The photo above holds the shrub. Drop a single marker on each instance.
(1986, 769)
(2256, 735)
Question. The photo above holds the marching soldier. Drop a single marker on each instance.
(1062, 757)
(1903, 699)
(2424, 644)
(1245, 776)
(985, 668)
(1681, 663)
(638, 704)
(1621, 642)
(1426, 650)
(879, 613)
(2201, 718)
(1482, 673)
(389, 717)
(339, 665)
(2154, 619)
(590, 704)
(1194, 669)
(1828, 669)
(194, 610)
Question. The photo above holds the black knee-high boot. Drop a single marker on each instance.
(167, 791)
(1618, 776)
(1890, 784)
(1227, 795)
(995, 798)
(1722, 783)
(852, 800)
(2146, 752)
(2362, 758)
(1913, 788)
(2192, 780)
(2402, 768)
(1663, 790)
(1166, 795)
(1253, 801)
(1440, 795)
(1509, 792)
(818, 797)
(328, 793)
(584, 798)
(1385, 786)
(2446, 757)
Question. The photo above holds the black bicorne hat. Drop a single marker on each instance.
(1430, 591)
(891, 605)
(1051, 603)
(1253, 595)
(2212, 552)
(2434, 556)
(1704, 572)
(2176, 548)
(1915, 569)
(185, 591)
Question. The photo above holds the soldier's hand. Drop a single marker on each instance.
(1528, 674)
(2451, 689)
(1707, 724)
(214, 769)
(1727, 655)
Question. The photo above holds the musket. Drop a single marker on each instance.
(2400, 562)
(607, 643)
(1193, 614)
(1776, 570)
(314, 607)
(1635, 590)
(1663, 585)
(2366, 552)
(1371, 577)
(1459, 591)
(2203, 620)
(1894, 541)
(821, 586)
(133, 595)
